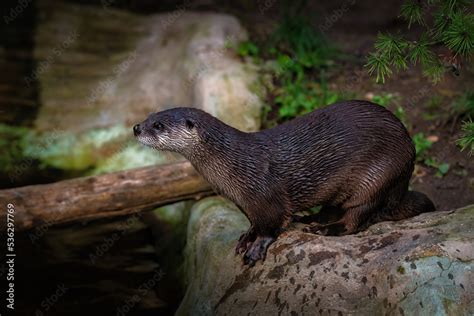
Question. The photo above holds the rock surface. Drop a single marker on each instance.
(178, 58)
(96, 80)
(421, 266)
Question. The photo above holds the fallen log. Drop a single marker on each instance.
(102, 196)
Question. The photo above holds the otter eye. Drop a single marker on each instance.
(159, 126)
(189, 124)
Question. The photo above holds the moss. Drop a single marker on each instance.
(176, 214)
(12, 141)
(401, 270)
(130, 155)
(93, 152)
(68, 151)
(447, 303)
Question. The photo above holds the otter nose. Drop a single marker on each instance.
(137, 130)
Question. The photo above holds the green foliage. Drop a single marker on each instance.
(298, 57)
(402, 115)
(453, 27)
(464, 105)
(379, 65)
(466, 142)
(412, 12)
(432, 108)
(302, 96)
(389, 99)
(297, 38)
(383, 99)
(458, 36)
(315, 210)
(301, 55)
(422, 145)
(442, 168)
(247, 48)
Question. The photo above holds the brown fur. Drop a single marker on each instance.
(354, 158)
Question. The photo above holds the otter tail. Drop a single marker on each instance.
(412, 204)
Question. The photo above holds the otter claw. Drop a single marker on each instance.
(333, 229)
(245, 242)
(242, 247)
(258, 250)
(313, 228)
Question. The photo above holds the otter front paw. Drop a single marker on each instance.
(245, 241)
(258, 250)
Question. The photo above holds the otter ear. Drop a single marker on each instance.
(203, 135)
(190, 123)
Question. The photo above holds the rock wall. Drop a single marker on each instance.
(421, 266)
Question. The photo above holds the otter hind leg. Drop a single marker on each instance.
(413, 203)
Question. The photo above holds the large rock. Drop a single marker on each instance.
(126, 66)
(420, 266)
(101, 70)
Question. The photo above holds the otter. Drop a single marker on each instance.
(353, 158)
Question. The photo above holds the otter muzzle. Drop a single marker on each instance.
(137, 130)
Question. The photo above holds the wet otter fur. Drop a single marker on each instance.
(353, 158)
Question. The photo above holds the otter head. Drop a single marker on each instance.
(171, 130)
